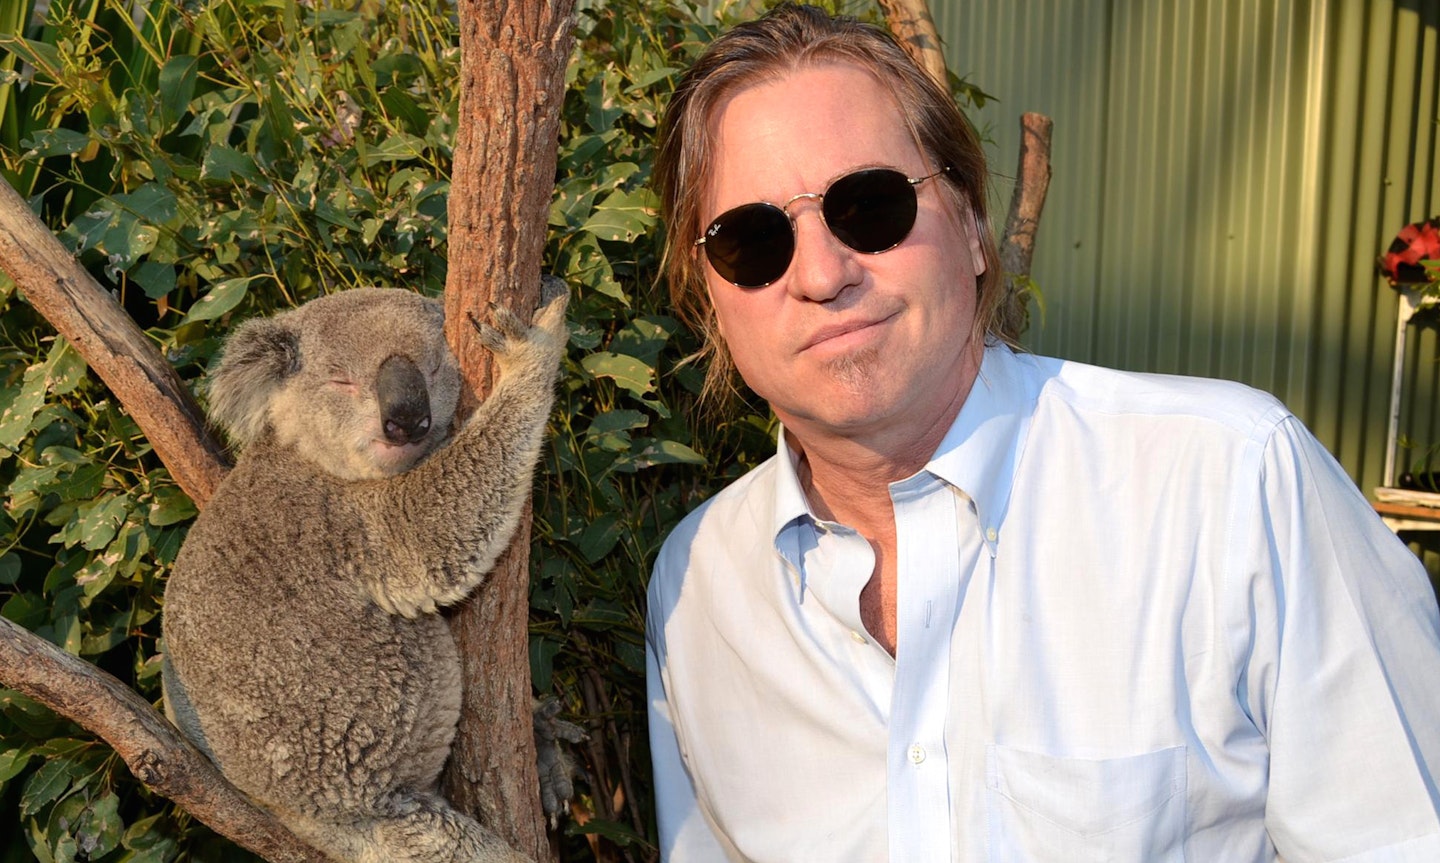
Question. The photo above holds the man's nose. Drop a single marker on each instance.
(823, 266)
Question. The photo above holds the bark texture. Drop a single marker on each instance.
(1032, 182)
(113, 345)
(150, 746)
(513, 59)
(913, 26)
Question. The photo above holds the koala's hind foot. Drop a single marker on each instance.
(422, 828)
(557, 769)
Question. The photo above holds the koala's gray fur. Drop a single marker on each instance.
(303, 651)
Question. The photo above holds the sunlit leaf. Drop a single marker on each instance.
(226, 165)
(47, 143)
(623, 215)
(656, 451)
(170, 506)
(12, 761)
(626, 371)
(220, 299)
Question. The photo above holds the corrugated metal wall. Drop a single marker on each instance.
(1225, 174)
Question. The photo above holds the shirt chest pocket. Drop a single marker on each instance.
(1080, 810)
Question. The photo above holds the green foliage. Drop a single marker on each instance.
(206, 161)
(209, 160)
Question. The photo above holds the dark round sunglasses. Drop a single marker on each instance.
(871, 211)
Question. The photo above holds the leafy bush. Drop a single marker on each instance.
(209, 160)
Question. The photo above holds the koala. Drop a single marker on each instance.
(304, 651)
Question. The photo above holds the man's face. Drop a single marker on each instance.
(844, 343)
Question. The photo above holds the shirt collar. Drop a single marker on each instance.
(978, 454)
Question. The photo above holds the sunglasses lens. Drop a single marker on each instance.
(871, 211)
(750, 246)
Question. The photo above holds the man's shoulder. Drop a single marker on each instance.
(1082, 387)
(743, 507)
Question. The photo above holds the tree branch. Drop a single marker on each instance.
(1032, 181)
(1017, 244)
(152, 748)
(145, 385)
(914, 28)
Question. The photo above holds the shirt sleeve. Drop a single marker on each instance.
(685, 834)
(1343, 673)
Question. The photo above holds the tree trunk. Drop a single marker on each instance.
(513, 59)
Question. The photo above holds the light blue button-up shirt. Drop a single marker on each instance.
(1140, 618)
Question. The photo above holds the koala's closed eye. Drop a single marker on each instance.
(341, 379)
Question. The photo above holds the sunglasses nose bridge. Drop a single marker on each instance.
(803, 196)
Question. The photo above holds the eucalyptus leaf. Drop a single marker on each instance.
(152, 202)
(623, 215)
(599, 537)
(600, 614)
(219, 300)
(400, 146)
(626, 371)
(655, 451)
(12, 761)
(170, 506)
(9, 568)
(45, 785)
(48, 143)
(228, 165)
(542, 661)
(154, 278)
(177, 87)
(25, 609)
(42, 55)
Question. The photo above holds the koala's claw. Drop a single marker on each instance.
(489, 336)
(508, 328)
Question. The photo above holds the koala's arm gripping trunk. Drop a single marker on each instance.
(447, 520)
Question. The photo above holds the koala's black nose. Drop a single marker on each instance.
(404, 400)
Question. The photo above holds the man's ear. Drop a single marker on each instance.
(710, 295)
(973, 232)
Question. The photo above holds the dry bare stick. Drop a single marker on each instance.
(146, 386)
(1032, 182)
(158, 756)
(914, 28)
(513, 58)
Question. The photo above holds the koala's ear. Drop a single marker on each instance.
(258, 357)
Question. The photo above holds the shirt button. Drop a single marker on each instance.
(917, 754)
(857, 637)
(990, 534)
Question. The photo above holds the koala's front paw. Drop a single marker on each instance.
(514, 343)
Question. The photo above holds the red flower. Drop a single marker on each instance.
(1415, 243)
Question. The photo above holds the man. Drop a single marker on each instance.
(985, 606)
